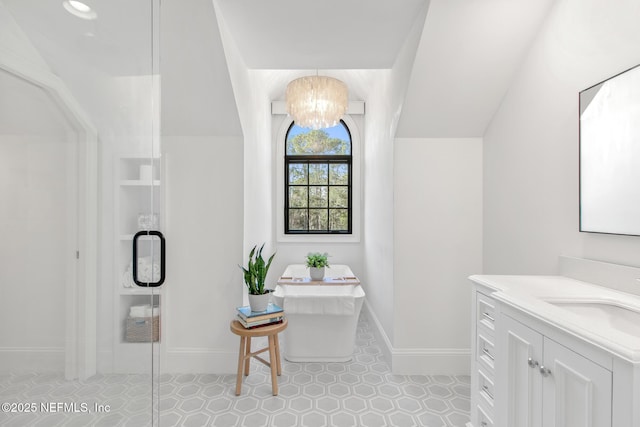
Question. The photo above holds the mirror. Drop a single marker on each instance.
(610, 155)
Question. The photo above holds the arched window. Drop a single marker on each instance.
(318, 180)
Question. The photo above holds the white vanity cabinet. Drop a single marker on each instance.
(543, 383)
(537, 363)
(557, 351)
(483, 363)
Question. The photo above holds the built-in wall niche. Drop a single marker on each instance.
(610, 155)
(138, 205)
(140, 170)
(140, 318)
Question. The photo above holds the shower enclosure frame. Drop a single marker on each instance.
(76, 334)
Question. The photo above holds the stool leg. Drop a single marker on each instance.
(240, 363)
(247, 358)
(277, 345)
(273, 363)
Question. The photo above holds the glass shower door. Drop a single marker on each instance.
(80, 176)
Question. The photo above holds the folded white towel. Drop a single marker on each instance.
(127, 278)
(336, 305)
(152, 311)
(148, 271)
(139, 310)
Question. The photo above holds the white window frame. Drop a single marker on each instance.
(356, 187)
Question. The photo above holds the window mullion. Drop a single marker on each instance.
(308, 198)
(328, 201)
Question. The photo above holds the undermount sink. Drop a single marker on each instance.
(605, 313)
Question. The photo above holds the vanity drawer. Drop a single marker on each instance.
(486, 389)
(483, 419)
(486, 352)
(485, 311)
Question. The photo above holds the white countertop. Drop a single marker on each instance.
(531, 293)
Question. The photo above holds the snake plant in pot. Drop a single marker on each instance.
(255, 275)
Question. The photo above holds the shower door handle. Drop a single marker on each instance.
(162, 259)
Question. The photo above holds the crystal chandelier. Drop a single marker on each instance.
(316, 102)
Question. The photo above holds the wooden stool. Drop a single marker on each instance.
(244, 358)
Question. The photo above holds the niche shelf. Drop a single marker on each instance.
(138, 190)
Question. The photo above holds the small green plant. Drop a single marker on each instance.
(317, 260)
(256, 271)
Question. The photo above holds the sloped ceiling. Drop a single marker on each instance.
(464, 63)
(26, 109)
(327, 34)
(197, 98)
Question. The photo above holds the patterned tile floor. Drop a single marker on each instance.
(360, 393)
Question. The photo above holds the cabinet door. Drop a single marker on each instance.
(577, 392)
(517, 374)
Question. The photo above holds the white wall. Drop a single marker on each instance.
(35, 249)
(378, 207)
(204, 203)
(531, 146)
(437, 245)
(250, 89)
(384, 105)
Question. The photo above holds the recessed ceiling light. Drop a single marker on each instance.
(79, 9)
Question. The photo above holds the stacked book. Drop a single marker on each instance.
(251, 319)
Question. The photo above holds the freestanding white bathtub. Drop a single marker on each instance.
(323, 316)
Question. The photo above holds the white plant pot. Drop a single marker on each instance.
(259, 302)
(316, 273)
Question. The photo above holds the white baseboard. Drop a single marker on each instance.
(32, 359)
(200, 360)
(380, 334)
(431, 361)
(420, 361)
(186, 360)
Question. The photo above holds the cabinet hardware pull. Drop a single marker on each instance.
(545, 371)
(486, 390)
(488, 316)
(489, 355)
(532, 363)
